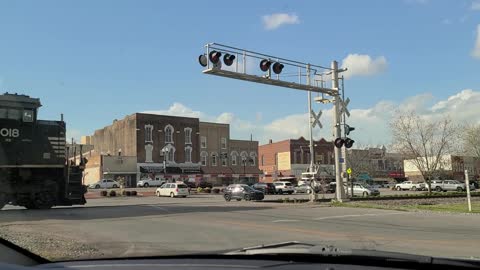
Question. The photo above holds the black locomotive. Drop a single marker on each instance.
(34, 169)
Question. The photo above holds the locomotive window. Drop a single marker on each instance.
(3, 113)
(14, 114)
(27, 116)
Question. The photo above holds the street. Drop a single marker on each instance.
(129, 226)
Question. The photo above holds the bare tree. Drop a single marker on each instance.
(471, 140)
(359, 161)
(424, 142)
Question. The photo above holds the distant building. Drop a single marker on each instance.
(376, 162)
(289, 158)
(450, 167)
(168, 147)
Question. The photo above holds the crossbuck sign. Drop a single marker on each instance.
(316, 118)
(343, 107)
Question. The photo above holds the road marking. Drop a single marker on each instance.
(286, 220)
(160, 208)
(358, 215)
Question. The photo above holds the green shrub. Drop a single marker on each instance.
(128, 193)
(134, 193)
(216, 190)
(103, 193)
(112, 193)
(199, 189)
(207, 190)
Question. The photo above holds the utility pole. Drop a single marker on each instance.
(337, 132)
(310, 120)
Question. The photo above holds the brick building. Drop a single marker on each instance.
(164, 146)
(222, 159)
(171, 147)
(289, 158)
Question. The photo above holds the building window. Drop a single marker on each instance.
(169, 153)
(203, 142)
(276, 158)
(244, 158)
(234, 158)
(188, 135)
(188, 154)
(203, 158)
(214, 159)
(224, 159)
(263, 160)
(169, 134)
(148, 133)
(224, 143)
(253, 157)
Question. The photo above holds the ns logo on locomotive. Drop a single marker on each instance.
(34, 167)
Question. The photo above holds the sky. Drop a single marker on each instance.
(96, 61)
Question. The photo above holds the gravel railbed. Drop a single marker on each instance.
(49, 246)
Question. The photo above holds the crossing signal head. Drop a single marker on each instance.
(202, 59)
(214, 56)
(277, 67)
(265, 65)
(348, 129)
(349, 143)
(228, 59)
(339, 142)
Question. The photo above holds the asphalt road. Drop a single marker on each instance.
(155, 226)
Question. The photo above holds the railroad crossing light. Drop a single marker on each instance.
(339, 142)
(349, 143)
(348, 129)
(214, 56)
(277, 67)
(228, 59)
(202, 59)
(265, 65)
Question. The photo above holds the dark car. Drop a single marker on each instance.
(266, 188)
(204, 184)
(244, 192)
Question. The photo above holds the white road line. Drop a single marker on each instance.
(286, 220)
(358, 215)
(160, 208)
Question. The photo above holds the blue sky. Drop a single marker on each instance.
(96, 61)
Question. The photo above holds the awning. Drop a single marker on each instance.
(152, 169)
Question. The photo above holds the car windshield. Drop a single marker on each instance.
(153, 128)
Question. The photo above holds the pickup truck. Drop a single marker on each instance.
(448, 185)
(409, 185)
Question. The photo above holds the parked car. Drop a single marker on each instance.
(448, 185)
(172, 190)
(283, 187)
(204, 184)
(150, 183)
(363, 190)
(305, 188)
(266, 188)
(242, 192)
(105, 183)
(410, 185)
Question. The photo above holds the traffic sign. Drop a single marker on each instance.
(343, 107)
(342, 160)
(316, 118)
(349, 171)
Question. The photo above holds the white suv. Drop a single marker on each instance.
(284, 187)
(172, 190)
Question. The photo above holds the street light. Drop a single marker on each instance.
(165, 152)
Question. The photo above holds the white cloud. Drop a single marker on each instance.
(476, 48)
(363, 65)
(273, 21)
(475, 5)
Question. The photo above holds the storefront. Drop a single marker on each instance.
(173, 172)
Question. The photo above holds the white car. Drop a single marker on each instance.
(284, 187)
(409, 185)
(172, 190)
(150, 183)
(363, 190)
(105, 183)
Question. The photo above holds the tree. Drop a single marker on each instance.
(360, 162)
(471, 140)
(424, 142)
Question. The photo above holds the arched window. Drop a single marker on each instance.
(169, 134)
(188, 154)
(244, 158)
(234, 156)
(148, 133)
(253, 158)
(169, 153)
(188, 135)
(214, 158)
